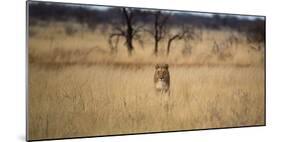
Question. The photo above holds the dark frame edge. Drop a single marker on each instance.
(265, 71)
(26, 68)
(153, 132)
(150, 8)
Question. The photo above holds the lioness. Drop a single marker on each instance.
(162, 78)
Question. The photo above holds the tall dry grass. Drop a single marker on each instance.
(78, 88)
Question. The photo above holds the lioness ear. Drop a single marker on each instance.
(166, 66)
(156, 66)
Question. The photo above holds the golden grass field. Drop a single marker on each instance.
(78, 88)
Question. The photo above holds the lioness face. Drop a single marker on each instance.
(162, 77)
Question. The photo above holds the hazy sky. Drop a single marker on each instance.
(189, 12)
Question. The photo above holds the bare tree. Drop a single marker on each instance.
(186, 33)
(129, 32)
(158, 30)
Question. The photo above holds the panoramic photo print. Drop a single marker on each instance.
(104, 70)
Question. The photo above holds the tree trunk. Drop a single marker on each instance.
(129, 32)
(168, 46)
(130, 45)
(156, 47)
(170, 42)
(156, 34)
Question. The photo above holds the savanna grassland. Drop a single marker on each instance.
(78, 87)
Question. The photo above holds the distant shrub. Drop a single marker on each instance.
(70, 30)
(256, 33)
(31, 32)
